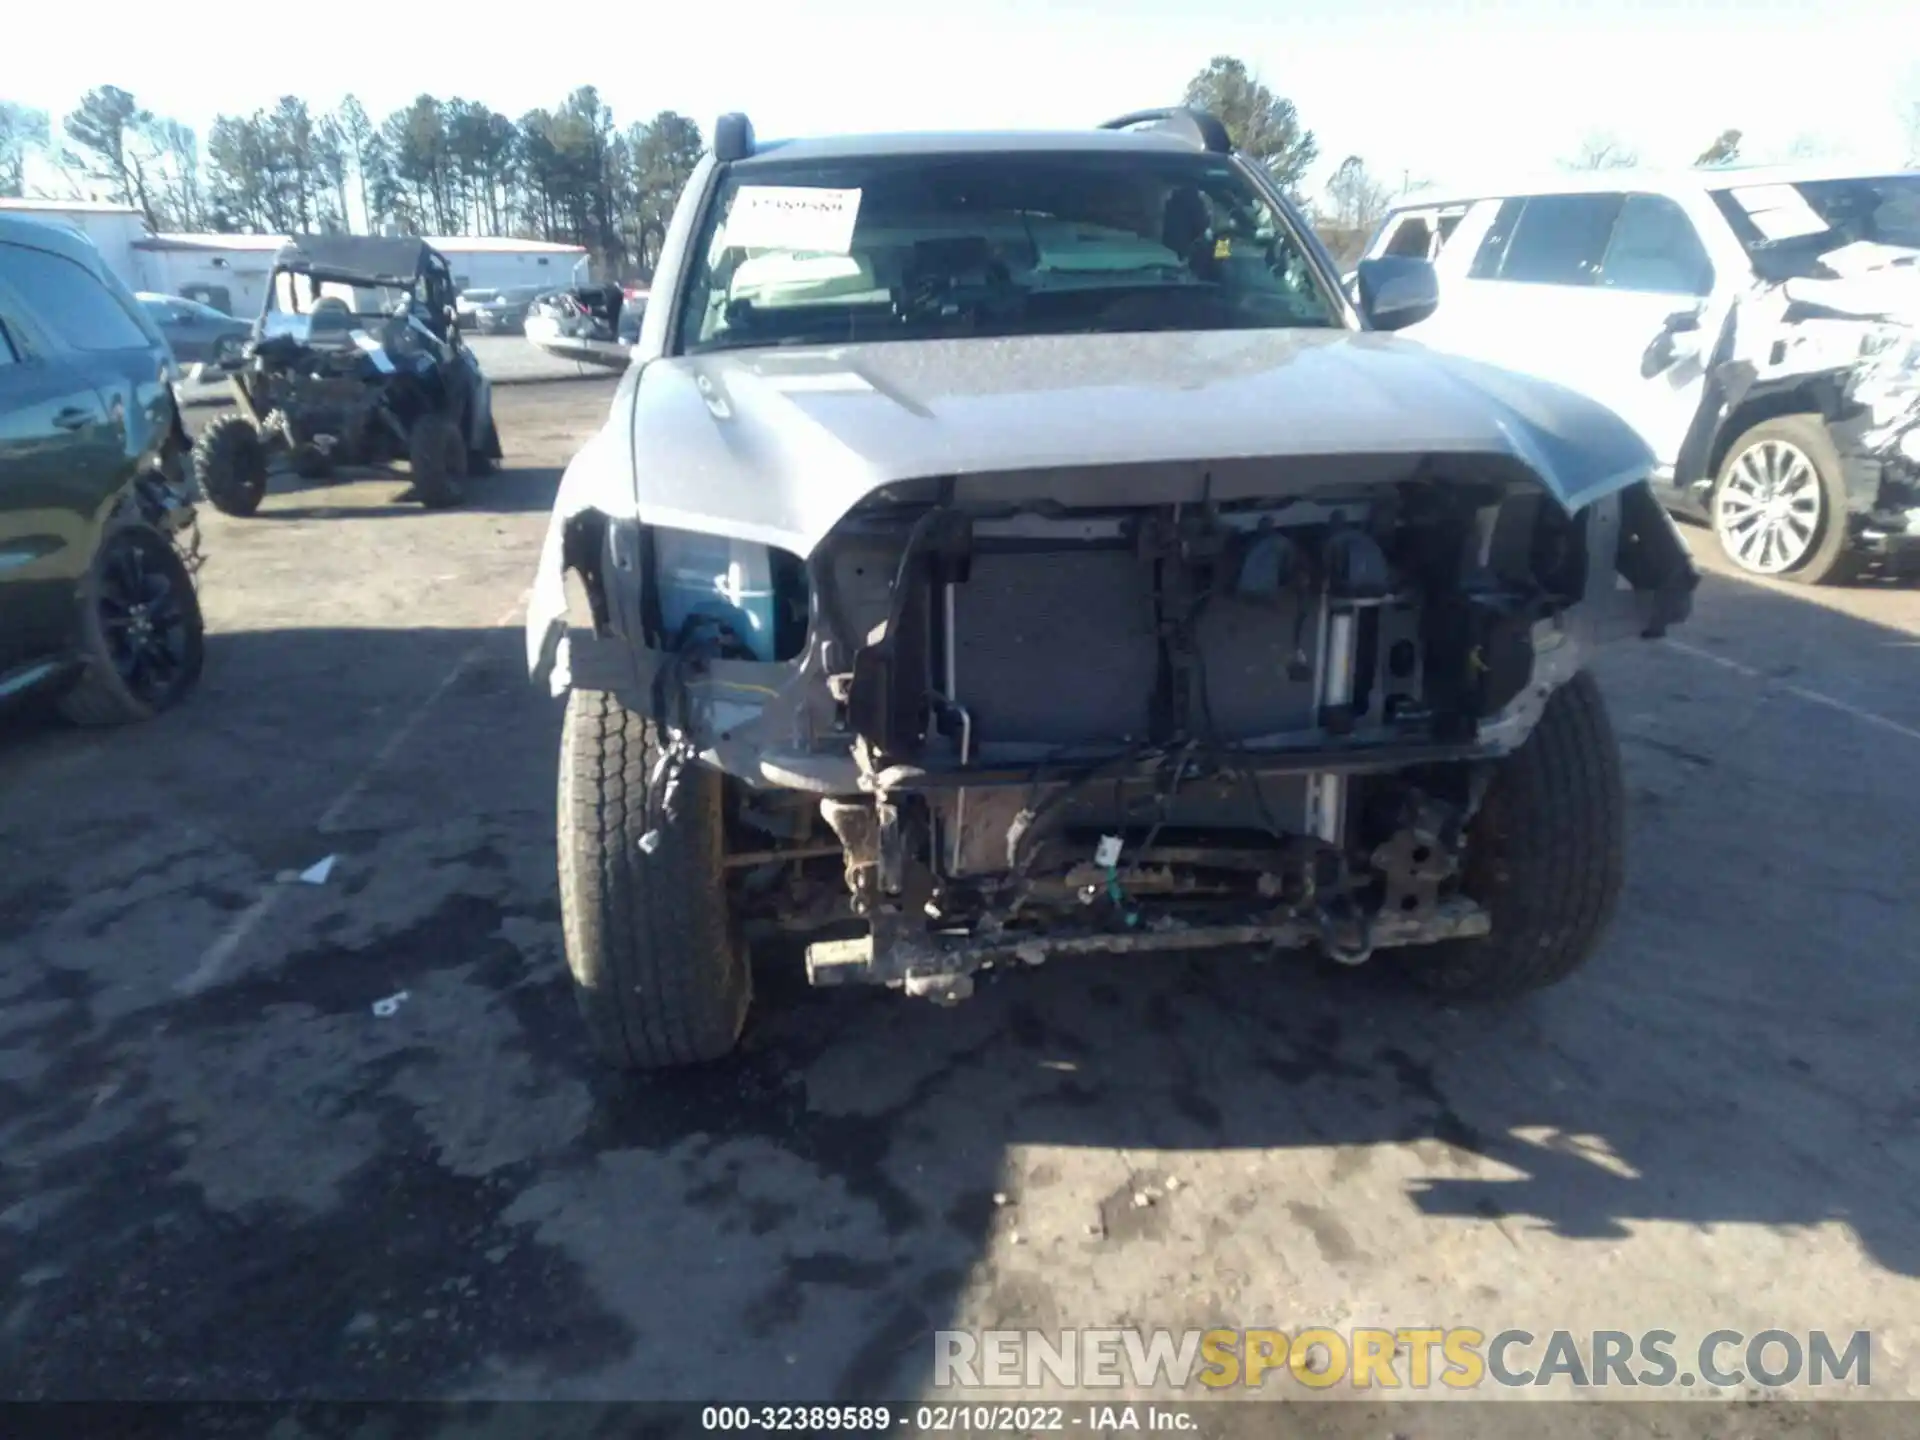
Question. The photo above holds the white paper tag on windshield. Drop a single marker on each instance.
(1778, 212)
(793, 217)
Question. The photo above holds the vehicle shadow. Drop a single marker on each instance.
(507, 490)
(273, 1192)
(1739, 1055)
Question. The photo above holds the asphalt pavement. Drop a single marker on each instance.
(226, 1173)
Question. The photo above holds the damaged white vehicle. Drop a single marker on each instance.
(1008, 546)
(1760, 329)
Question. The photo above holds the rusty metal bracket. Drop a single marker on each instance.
(913, 960)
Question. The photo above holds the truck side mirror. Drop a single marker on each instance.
(1396, 291)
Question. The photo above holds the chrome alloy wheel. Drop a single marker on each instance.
(1768, 510)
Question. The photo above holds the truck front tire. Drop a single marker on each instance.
(1545, 857)
(659, 971)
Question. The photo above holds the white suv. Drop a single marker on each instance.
(1758, 327)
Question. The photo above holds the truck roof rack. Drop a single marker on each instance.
(1196, 127)
(732, 137)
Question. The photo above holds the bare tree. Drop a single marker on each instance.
(22, 128)
(332, 159)
(109, 133)
(1602, 151)
(178, 173)
(356, 134)
(1906, 109)
(1356, 199)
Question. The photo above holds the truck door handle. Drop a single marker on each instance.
(74, 417)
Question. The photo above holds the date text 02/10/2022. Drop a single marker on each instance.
(945, 1419)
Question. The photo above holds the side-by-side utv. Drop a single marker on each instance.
(356, 360)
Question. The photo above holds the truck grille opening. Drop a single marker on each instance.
(1061, 648)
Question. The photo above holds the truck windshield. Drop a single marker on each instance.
(947, 246)
(1788, 227)
(301, 306)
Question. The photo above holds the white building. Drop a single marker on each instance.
(113, 228)
(500, 260)
(229, 272)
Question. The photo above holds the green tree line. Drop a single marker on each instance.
(570, 173)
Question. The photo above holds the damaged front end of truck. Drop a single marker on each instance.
(1171, 695)
(1830, 327)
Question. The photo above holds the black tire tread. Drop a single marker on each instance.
(659, 975)
(432, 440)
(226, 441)
(99, 697)
(1832, 558)
(480, 459)
(1560, 803)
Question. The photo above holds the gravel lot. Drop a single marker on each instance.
(225, 1176)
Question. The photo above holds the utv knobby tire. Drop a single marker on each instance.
(480, 459)
(437, 456)
(658, 968)
(102, 696)
(230, 465)
(1545, 857)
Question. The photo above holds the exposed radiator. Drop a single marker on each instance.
(1058, 648)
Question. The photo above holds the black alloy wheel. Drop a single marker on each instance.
(148, 624)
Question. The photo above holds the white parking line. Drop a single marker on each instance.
(213, 961)
(1799, 692)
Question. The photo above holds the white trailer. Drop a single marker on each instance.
(230, 272)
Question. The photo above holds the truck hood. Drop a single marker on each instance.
(777, 446)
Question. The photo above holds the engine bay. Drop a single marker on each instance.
(1139, 727)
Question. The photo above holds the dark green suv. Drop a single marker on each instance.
(97, 603)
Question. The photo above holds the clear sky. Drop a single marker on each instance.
(1440, 89)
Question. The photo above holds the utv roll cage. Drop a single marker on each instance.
(364, 260)
(369, 261)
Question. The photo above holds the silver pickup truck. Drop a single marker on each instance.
(1019, 545)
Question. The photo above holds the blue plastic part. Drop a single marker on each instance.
(730, 581)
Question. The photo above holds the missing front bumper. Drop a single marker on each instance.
(928, 964)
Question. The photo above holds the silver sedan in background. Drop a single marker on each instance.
(198, 334)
